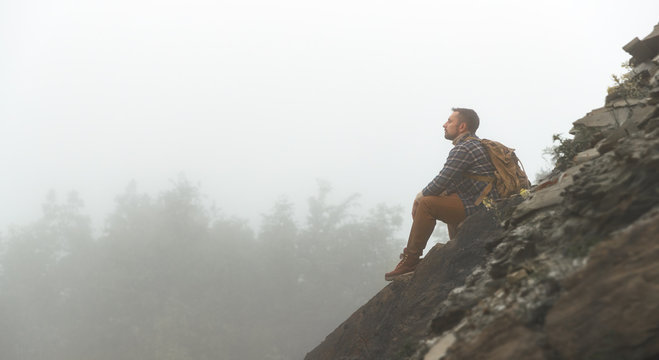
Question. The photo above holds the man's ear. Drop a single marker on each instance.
(462, 127)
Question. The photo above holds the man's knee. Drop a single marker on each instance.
(431, 200)
(430, 204)
(446, 208)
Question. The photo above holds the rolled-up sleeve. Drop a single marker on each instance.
(458, 161)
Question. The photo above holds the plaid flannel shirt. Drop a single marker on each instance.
(467, 156)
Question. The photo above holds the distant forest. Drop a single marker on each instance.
(169, 278)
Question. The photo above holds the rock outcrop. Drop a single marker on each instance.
(571, 272)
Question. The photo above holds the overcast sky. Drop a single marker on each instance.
(255, 100)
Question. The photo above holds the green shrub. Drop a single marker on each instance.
(629, 85)
(563, 154)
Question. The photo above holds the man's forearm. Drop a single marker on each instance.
(436, 187)
(456, 163)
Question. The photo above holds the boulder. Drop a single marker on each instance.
(610, 310)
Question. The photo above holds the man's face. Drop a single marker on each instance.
(453, 127)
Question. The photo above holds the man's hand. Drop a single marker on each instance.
(416, 203)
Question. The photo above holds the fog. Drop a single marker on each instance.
(257, 100)
(253, 102)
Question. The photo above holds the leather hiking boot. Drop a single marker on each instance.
(407, 265)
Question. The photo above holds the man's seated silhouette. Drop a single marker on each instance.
(451, 196)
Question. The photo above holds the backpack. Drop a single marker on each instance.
(509, 177)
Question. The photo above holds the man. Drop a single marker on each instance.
(451, 196)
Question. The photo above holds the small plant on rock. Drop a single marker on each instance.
(564, 152)
(629, 85)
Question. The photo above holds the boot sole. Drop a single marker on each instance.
(395, 277)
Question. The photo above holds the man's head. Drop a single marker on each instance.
(461, 121)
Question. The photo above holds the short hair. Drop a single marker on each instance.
(469, 117)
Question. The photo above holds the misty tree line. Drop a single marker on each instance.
(168, 278)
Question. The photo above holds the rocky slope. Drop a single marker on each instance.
(571, 272)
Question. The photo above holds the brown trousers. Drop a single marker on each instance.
(448, 209)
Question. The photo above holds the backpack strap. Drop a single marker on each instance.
(490, 180)
(484, 178)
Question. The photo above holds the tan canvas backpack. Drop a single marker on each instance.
(509, 177)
